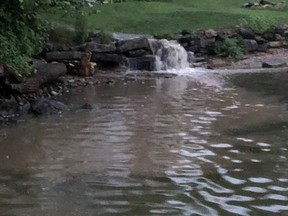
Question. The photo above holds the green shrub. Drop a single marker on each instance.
(230, 47)
(81, 28)
(104, 37)
(18, 44)
(258, 23)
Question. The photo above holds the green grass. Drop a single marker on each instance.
(171, 16)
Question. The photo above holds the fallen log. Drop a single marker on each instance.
(46, 73)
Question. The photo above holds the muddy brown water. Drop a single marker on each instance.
(190, 145)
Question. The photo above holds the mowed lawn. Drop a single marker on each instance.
(170, 16)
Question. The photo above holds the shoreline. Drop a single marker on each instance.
(59, 70)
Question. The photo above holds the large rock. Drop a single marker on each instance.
(275, 44)
(47, 106)
(8, 107)
(185, 39)
(262, 47)
(142, 63)
(194, 48)
(247, 33)
(63, 55)
(46, 74)
(260, 40)
(134, 44)
(269, 36)
(274, 63)
(107, 58)
(100, 48)
(207, 42)
(281, 29)
(137, 53)
(250, 45)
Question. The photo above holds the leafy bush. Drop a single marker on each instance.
(230, 47)
(258, 23)
(104, 37)
(18, 43)
(22, 34)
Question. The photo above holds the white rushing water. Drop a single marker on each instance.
(169, 55)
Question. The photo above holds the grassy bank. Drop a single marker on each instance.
(170, 16)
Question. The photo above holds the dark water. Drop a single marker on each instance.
(154, 147)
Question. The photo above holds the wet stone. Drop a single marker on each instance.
(274, 63)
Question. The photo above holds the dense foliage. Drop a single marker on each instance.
(22, 33)
(230, 47)
(259, 23)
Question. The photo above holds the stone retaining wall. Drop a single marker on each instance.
(137, 53)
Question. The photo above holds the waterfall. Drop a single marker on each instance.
(169, 55)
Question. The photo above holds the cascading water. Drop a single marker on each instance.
(169, 55)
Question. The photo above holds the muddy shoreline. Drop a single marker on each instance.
(48, 100)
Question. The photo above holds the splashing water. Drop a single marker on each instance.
(169, 55)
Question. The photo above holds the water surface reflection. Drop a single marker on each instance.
(153, 147)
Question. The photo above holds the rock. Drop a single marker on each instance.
(100, 48)
(134, 44)
(63, 55)
(285, 34)
(275, 44)
(79, 47)
(87, 106)
(8, 107)
(185, 39)
(278, 37)
(142, 63)
(255, 64)
(10, 75)
(207, 42)
(190, 57)
(269, 36)
(36, 63)
(260, 40)
(281, 29)
(210, 33)
(217, 63)
(199, 64)
(137, 53)
(194, 48)
(46, 106)
(54, 93)
(46, 74)
(247, 33)
(200, 59)
(250, 45)
(262, 47)
(107, 58)
(229, 32)
(248, 5)
(25, 109)
(274, 63)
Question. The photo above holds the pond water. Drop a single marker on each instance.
(188, 145)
